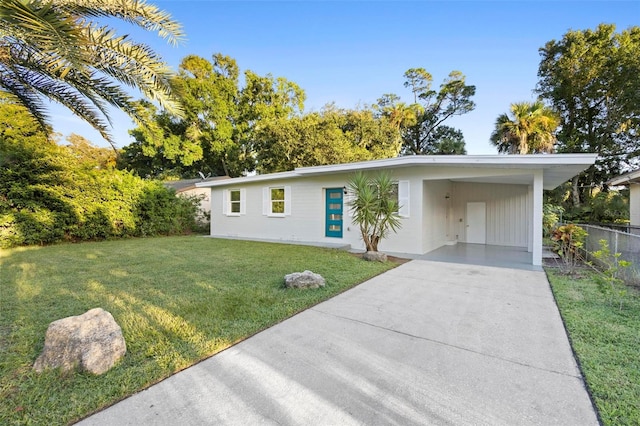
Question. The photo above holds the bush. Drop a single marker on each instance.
(550, 218)
(569, 240)
(160, 212)
(47, 196)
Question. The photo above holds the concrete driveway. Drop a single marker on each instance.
(426, 343)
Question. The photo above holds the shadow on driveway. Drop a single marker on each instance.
(425, 343)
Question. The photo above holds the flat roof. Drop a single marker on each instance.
(625, 179)
(557, 168)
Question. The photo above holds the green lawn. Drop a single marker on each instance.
(607, 343)
(178, 300)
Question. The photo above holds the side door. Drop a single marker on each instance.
(476, 223)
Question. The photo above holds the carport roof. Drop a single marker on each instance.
(557, 168)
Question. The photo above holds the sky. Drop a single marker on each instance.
(352, 52)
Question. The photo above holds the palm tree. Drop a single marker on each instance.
(402, 115)
(529, 130)
(57, 50)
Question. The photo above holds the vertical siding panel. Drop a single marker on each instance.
(506, 211)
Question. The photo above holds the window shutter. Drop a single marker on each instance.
(243, 201)
(403, 198)
(287, 200)
(225, 201)
(266, 201)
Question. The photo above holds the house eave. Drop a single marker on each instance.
(557, 168)
(535, 161)
(248, 179)
(625, 179)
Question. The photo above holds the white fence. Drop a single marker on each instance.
(628, 245)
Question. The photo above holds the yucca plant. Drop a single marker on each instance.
(374, 207)
(58, 50)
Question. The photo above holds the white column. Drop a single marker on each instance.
(530, 219)
(537, 217)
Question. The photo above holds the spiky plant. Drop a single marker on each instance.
(374, 207)
(58, 50)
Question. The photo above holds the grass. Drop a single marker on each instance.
(178, 300)
(606, 341)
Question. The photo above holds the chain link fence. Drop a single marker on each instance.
(628, 245)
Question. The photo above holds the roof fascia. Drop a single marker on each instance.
(248, 179)
(625, 179)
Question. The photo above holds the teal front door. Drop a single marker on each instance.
(333, 227)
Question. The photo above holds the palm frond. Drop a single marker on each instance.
(136, 12)
(135, 65)
(55, 49)
(23, 95)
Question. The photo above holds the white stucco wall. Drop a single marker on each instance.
(433, 218)
(437, 211)
(307, 220)
(634, 204)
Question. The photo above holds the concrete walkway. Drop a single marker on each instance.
(425, 343)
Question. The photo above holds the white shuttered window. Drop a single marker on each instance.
(276, 201)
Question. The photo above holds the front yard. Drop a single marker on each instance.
(606, 341)
(178, 300)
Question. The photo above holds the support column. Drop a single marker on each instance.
(530, 218)
(537, 217)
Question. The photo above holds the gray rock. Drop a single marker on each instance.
(92, 342)
(306, 279)
(374, 256)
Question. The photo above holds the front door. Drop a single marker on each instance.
(333, 221)
(476, 223)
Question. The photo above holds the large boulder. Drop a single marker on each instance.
(92, 342)
(374, 256)
(306, 279)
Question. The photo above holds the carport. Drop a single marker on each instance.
(483, 254)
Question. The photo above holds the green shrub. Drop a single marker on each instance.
(48, 196)
(160, 212)
(550, 218)
(568, 241)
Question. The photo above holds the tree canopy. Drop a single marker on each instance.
(216, 134)
(231, 127)
(590, 77)
(330, 136)
(59, 50)
(421, 123)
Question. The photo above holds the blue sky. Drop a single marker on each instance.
(352, 52)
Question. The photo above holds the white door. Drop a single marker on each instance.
(476, 223)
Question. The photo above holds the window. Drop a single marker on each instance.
(234, 202)
(276, 201)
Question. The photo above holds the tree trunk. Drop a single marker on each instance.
(524, 146)
(373, 243)
(575, 192)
